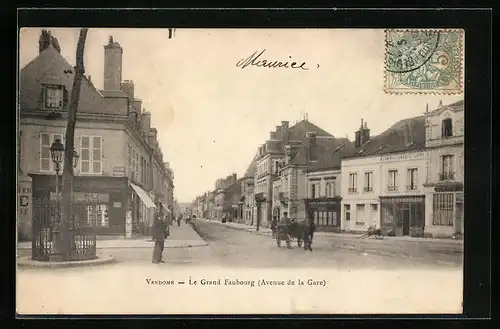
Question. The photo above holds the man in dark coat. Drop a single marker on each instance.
(309, 228)
(159, 234)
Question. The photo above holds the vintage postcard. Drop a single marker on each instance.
(240, 171)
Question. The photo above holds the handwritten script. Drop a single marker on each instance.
(254, 60)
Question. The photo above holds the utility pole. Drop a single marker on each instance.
(67, 204)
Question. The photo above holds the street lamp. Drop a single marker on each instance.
(57, 154)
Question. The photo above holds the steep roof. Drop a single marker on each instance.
(299, 130)
(405, 135)
(329, 152)
(50, 67)
(251, 168)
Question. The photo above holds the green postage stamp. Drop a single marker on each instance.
(424, 61)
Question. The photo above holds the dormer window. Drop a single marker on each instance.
(361, 151)
(447, 128)
(54, 96)
(409, 144)
(381, 148)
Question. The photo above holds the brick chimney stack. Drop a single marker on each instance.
(113, 54)
(284, 132)
(311, 146)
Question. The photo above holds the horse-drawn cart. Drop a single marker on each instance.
(288, 233)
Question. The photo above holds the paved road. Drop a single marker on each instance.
(354, 281)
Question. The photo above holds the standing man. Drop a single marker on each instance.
(159, 235)
(179, 219)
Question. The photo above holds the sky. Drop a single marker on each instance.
(211, 115)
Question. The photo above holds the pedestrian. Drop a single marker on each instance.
(285, 220)
(179, 219)
(274, 226)
(159, 231)
(309, 228)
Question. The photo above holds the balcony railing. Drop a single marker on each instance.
(412, 187)
(352, 190)
(447, 176)
(392, 188)
(368, 189)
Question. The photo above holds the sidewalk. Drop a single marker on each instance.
(354, 240)
(183, 236)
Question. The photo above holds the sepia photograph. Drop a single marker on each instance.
(240, 171)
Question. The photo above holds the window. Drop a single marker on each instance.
(374, 207)
(443, 209)
(360, 209)
(447, 167)
(353, 182)
(330, 189)
(347, 211)
(54, 97)
(46, 140)
(447, 128)
(412, 179)
(91, 155)
(392, 184)
(313, 191)
(368, 182)
(97, 215)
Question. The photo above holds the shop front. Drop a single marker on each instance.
(142, 209)
(403, 215)
(325, 212)
(446, 218)
(99, 202)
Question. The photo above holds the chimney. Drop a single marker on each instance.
(145, 121)
(285, 132)
(440, 103)
(311, 146)
(234, 179)
(272, 135)
(357, 136)
(113, 53)
(128, 88)
(278, 132)
(44, 41)
(365, 134)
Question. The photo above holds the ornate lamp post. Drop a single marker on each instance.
(57, 153)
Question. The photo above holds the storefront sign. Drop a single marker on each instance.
(117, 204)
(403, 157)
(25, 197)
(118, 171)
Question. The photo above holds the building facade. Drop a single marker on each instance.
(444, 186)
(383, 180)
(116, 158)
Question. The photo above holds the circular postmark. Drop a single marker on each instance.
(409, 50)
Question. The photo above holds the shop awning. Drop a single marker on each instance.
(143, 196)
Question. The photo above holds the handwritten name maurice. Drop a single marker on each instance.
(238, 282)
(255, 60)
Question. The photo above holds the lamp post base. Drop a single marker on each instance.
(57, 253)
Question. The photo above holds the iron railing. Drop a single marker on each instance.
(44, 221)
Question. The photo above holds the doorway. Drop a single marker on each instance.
(405, 214)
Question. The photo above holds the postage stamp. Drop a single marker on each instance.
(424, 61)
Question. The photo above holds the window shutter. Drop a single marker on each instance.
(41, 100)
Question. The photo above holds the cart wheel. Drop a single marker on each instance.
(299, 242)
(278, 241)
(288, 242)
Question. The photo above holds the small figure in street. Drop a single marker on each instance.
(159, 234)
(309, 228)
(285, 220)
(274, 226)
(179, 219)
